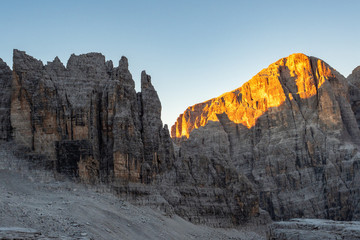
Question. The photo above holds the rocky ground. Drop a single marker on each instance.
(34, 205)
(313, 229)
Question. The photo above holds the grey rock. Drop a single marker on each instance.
(86, 118)
(204, 187)
(158, 154)
(354, 92)
(313, 229)
(5, 100)
(12, 233)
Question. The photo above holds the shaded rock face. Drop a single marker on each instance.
(354, 91)
(87, 119)
(204, 186)
(292, 133)
(5, 98)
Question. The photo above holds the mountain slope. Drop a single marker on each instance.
(296, 77)
(292, 132)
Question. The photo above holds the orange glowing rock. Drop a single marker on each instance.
(265, 90)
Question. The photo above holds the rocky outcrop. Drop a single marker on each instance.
(158, 150)
(355, 76)
(5, 97)
(204, 186)
(87, 119)
(313, 229)
(354, 91)
(292, 133)
(19, 233)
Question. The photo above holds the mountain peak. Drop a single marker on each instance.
(294, 77)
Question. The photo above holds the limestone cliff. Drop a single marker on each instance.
(292, 133)
(87, 119)
(204, 185)
(354, 91)
(5, 98)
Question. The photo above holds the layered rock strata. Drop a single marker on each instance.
(204, 185)
(5, 98)
(354, 92)
(292, 132)
(87, 119)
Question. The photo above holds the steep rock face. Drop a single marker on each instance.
(204, 186)
(355, 76)
(86, 118)
(354, 91)
(5, 98)
(292, 133)
(157, 147)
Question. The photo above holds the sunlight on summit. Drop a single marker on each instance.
(296, 76)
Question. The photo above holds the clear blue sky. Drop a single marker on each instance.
(194, 50)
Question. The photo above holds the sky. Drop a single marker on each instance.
(194, 50)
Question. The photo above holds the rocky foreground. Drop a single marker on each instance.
(314, 229)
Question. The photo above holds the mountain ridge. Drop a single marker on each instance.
(192, 118)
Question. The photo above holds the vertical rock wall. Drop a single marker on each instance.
(354, 92)
(5, 100)
(87, 119)
(204, 186)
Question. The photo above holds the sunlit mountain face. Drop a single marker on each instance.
(292, 78)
